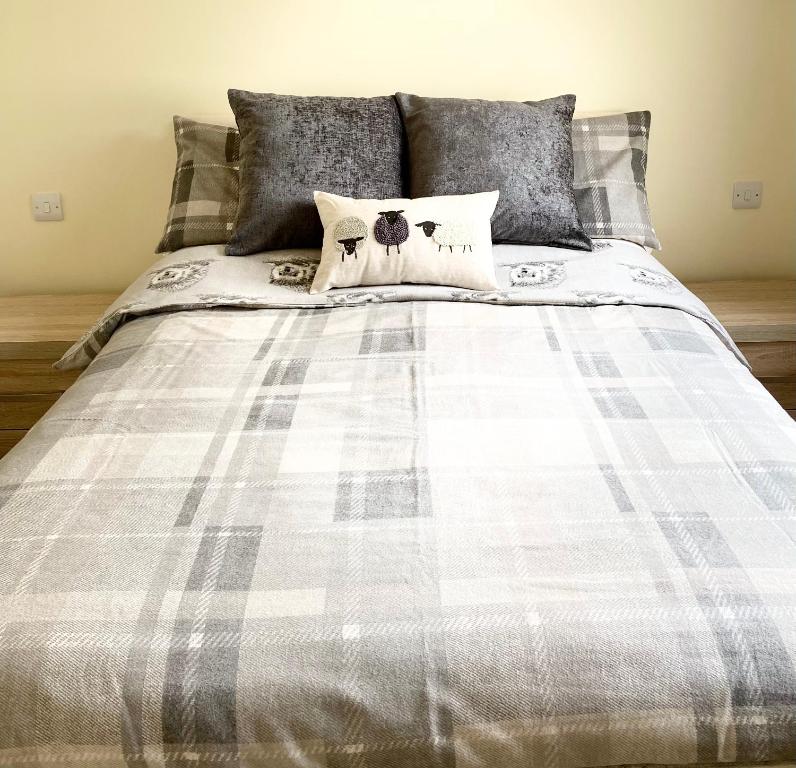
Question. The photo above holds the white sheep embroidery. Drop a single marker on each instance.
(490, 297)
(178, 277)
(449, 234)
(293, 275)
(652, 278)
(598, 298)
(362, 297)
(348, 234)
(540, 274)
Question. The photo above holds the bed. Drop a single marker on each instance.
(412, 527)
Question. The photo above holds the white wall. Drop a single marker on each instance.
(88, 90)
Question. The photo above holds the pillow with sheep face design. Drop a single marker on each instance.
(429, 240)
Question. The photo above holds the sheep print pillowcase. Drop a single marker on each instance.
(443, 240)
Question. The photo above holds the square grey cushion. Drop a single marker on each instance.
(292, 145)
(610, 177)
(204, 193)
(523, 149)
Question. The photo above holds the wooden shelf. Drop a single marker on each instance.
(44, 327)
(760, 316)
(752, 310)
(34, 332)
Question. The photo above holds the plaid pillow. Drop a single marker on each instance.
(204, 195)
(610, 168)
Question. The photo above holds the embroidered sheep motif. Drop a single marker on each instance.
(391, 229)
(348, 233)
(178, 277)
(428, 227)
(489, 297)
(653, 279)
(362, 297)
(598, 298)
(226, 298)
(292, 275)
(449, 234)
(540, 274)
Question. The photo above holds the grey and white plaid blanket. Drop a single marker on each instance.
(403, 534)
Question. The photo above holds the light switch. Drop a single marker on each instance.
(747, 194)
(47, 206)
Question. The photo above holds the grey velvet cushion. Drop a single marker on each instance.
(204, 193)
(523, 149)
(610, 176)
(292, 145)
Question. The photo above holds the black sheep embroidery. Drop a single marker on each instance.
(428, 227)
(348, 234)
(391, 229)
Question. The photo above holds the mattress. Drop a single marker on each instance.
(418, 527)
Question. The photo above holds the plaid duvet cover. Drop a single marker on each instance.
(407, 534)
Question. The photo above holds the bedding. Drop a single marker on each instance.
(610, 165)
(443, 240)
(610, 155)
(523, 149)
(410, 526)
(204, 192)
(615, 272)
(293, 145)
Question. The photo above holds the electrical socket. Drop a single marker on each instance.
(47, 206)
(747, 194)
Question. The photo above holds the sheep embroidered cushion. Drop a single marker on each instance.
(433, 240)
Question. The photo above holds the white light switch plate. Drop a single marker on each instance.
(747, 194)
(47, 206)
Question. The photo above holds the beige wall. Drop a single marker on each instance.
(88, 89)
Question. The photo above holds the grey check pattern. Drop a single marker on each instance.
(405, 534)
(610, 165)
(204, 193)
(610, 177)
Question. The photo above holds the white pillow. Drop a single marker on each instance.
(444, 240)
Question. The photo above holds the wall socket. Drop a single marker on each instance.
(47, 206)
(747, 194)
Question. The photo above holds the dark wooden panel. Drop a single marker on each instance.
(783, 391)
(9, 438)
(771, 358)
(21, 377)
(23, 411)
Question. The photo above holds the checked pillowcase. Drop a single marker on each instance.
(204, 193)
(610, 156)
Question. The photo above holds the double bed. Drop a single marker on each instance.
(411, 527)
